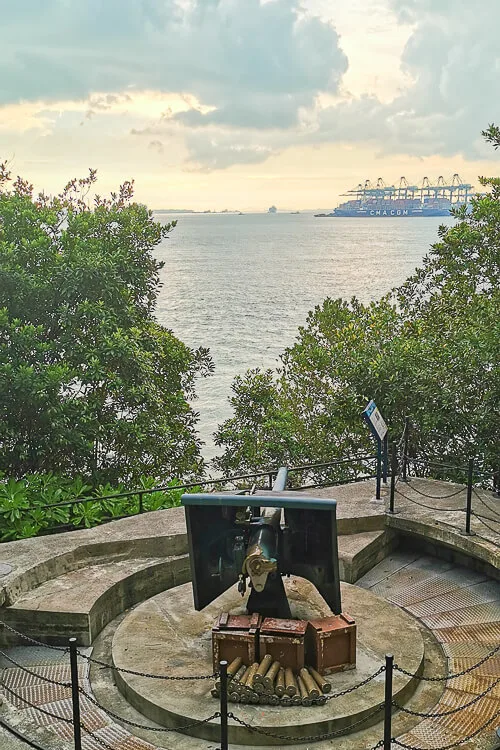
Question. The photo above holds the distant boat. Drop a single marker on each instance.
(272, 210)
(294, 212)
(403, 200)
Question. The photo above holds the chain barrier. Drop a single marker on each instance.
(97, 739)
(481, 500)
(312, 737)
(494, 531)
(435, 465)
(452, 745)
(34, 674)
(438, 497)
(33, 705)
(64, 649)
(495, 511)
(488, 656)
(108, 712)
(19, 736)
(355, 687)
(123, 670)
(103, 664)
(486, 518)
(430, 507)
(452, 710)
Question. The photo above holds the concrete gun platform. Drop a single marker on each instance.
(419, 559)
(166, 635)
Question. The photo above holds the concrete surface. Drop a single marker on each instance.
(166, 635)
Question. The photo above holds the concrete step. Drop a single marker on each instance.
(358, 553)
(81, 602)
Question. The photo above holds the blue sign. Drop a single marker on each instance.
(375, 421)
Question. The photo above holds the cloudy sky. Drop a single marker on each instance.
(244, 103)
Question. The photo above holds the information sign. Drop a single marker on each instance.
(375, 420)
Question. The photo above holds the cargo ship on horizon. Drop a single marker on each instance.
(368, 200)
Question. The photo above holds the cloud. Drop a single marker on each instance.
(246, 51)
(250, 78)
(219, 151)
(156, 146)
(452, 60)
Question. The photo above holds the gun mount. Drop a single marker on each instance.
(255, 540)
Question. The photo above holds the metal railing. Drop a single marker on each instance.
(304, 476)
(399, 472)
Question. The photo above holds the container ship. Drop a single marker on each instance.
(404, 200)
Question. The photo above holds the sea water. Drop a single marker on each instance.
(243, 284)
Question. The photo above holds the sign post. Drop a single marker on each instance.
(379, 431)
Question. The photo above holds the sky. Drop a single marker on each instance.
(240, 104)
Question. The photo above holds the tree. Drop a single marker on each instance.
(430, 349)
(90, 383)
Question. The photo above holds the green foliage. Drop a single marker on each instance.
(43, 503)
(90, 383)
(430, 349)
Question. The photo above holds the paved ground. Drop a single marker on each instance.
(458, 611)
(460, 607)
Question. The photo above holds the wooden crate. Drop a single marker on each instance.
(331, 644)
(236, 635)
(284, 640)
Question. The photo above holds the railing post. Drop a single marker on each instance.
(379, 469)
(468, 513)
(271, 480)
(223, 705)
(496, 482)
(405, 447)
(394, 469)
(386, 457)
(75, 693)
(141, 502)
(389, 664)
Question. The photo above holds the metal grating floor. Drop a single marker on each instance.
(461, 607)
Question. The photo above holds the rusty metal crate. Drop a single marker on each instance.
(284, 640)
(236, 635)
(331, 644)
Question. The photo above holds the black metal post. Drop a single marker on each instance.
(394, 470)
(223, 705)
(271, 480)
(470, 476)
(389, 664)
(386, 456)
(405, 447)
(496, 482)
(379, 469)
(141, 506)
(75, 694)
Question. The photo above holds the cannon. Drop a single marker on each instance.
(255, 540)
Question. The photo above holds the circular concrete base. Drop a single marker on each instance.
(165, 635)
